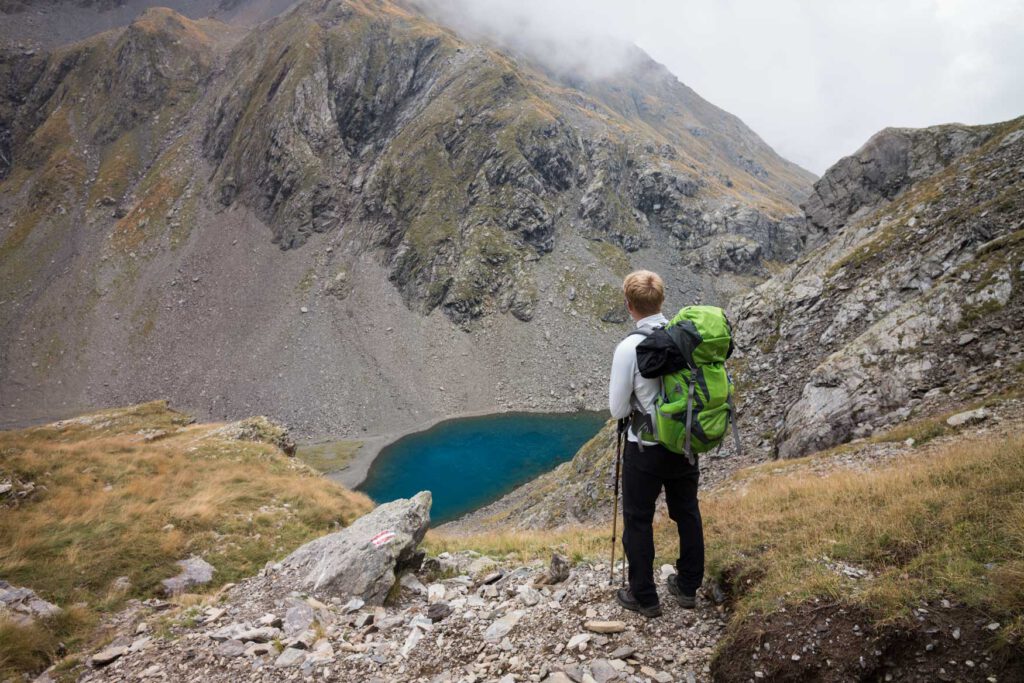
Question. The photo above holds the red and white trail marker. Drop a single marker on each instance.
(382, 538)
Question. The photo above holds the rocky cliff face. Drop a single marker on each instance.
(913, 304)
(888, 163)
(236, 218)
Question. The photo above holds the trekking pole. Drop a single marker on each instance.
(615, 500)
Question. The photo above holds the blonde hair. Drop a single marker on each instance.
(644, 291)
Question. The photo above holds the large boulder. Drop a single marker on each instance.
(362, 560)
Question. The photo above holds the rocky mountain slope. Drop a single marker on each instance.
(913, 305)
(349, 216)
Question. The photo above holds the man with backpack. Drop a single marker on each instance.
(648, 465)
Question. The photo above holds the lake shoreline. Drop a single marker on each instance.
(468, 462)
(355, 473)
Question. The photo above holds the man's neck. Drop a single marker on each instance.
(652, 319)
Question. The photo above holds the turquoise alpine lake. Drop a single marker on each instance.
(467, 463)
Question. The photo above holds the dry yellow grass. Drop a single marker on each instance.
(108, 503)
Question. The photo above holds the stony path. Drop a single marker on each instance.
(505, 625)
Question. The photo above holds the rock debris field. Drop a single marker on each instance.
(454, 630)
(320, 615)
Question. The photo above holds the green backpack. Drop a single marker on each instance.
(695, 408)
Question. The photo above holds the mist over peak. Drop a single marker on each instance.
(571, 45)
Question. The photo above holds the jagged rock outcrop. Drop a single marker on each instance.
(910, 306)
(23, 606)
(890, 161)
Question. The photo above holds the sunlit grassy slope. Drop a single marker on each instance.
(947, 524)
(129, 492)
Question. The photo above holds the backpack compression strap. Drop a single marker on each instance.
(732, 421)
(640, 420)
(689, 414)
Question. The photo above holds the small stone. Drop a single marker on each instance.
(303, 310)
(322, 652)
(501, 627)
(578, 641)
(558, 677)
(270, 620)
(491, 578)
(298, 618)
(304, 640)
(291, 656)
(263, 634)
(966, 338)
(605, 626)
(603, 671)
(993, 626)
(140, 644)
(411, 582)
(195, 571)
(231, 648)
(528, 596)
(795, 658)
(623, 652)
(967, 417)
(414, 637)
(108, 655)
(435, 592)
(956, 634)
(353, 605)
(439, 611)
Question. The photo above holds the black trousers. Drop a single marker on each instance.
(644, 474)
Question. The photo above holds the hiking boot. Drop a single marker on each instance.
(684, 600)
(626, 599)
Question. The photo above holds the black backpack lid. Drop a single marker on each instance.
(667, 350)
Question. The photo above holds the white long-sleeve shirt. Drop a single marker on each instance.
(626, 379)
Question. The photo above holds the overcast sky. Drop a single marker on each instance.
(815, 78)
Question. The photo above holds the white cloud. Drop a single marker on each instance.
(815, 78)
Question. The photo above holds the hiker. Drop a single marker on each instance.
(647, 467)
